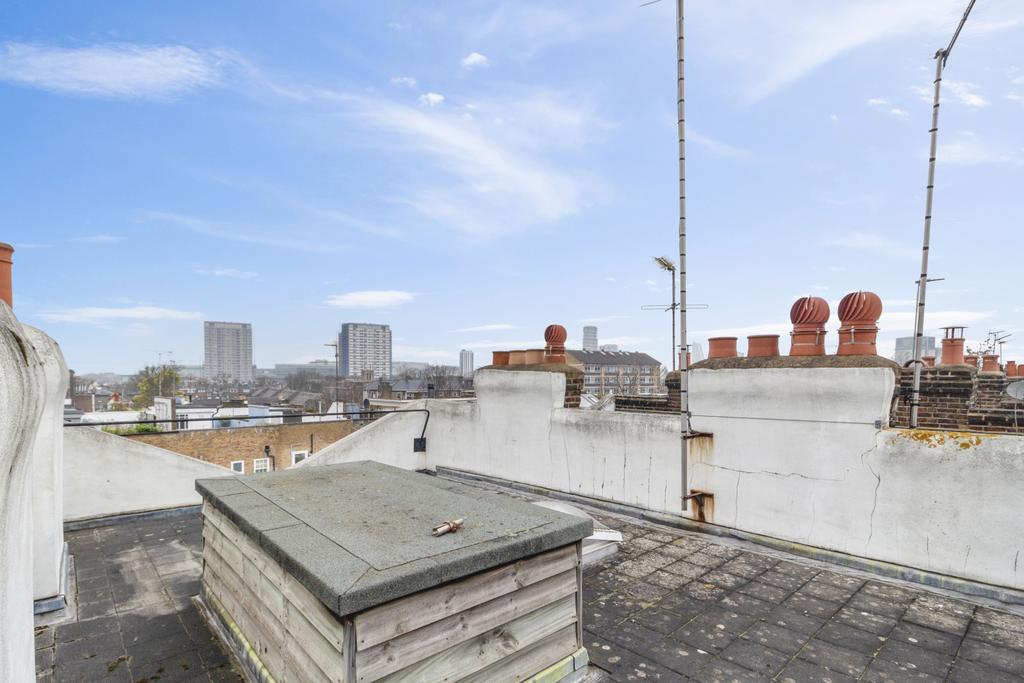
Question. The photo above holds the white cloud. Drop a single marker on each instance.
(499, 179)
(775, 44)
(487, 328)
(227, 272)
(899, 113)
(115, 70)
(475, 60)
(967, 149)
(98, 239)
(407, 81)
(431, 99)
(716, 147)
(371, 299)
(91, 315)
(877, 101)
(603, 319)
(964, 93)
(247, 234)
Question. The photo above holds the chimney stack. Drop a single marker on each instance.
(6, 262)
(721, 347)
(953, 345)
(762, 345)
(990, 362)
(809, 315)
(858, 314)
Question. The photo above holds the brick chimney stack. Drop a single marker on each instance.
(6, 263)
(721, 347)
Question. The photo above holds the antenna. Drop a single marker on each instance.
(941, 57)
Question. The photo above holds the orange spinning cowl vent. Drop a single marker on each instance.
(858, 314)
(554, 340)
(809, 315)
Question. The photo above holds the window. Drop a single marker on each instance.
(238, 466)
(261, 465)
(299, 456)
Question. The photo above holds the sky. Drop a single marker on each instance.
(470, 172)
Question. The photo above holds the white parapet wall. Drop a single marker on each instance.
(105, 474)
(21, 405)
(48, 470)
(799, 454)
(517, 429)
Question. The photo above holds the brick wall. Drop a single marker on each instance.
(222, 446)
(958, 397)
(670, 403)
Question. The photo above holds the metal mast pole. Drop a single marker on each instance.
(675, 352)
(684, 400)
(922, 284)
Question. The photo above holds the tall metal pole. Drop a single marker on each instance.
(674, 306)
(922, 284)
(684, 400)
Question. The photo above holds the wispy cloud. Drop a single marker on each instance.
(371, 299)
(475, 60)
(870, 241)
(715, 147)
(92, 315)
(432, 99)
(899, 113)
(962, 92)
(407, 81)
(487, 328)
(603, 319)
(248, 235)
(498, 178)
(968, 149)
(776, 44)
(114, 70)
(227, 272)
(98, 239)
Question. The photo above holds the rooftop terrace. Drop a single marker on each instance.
(670, 606)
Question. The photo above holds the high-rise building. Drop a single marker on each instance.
(466, 362)
(227, 351)
(365, 348)
(590, 338)
(905, 348)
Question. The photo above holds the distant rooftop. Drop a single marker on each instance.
(612, 357)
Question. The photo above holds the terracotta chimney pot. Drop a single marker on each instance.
(499, 358)
(721, 347)
(1011, 368)
(6, 263)
(971, 360)
(858, 314)
(953, 351)
(809, 315)
(517, 357)
(929, 361)
(990, 362)
(534, 356)
(554, 338)
(762, 345)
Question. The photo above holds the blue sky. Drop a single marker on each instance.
(472, 171)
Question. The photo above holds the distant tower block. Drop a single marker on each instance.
(858, 314)
(590, 338)
(554, 340)
(809, 315)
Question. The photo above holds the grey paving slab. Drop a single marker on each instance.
(359, 534)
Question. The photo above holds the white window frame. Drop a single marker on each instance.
(261, 465)
(304, 454)
(240, 469)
